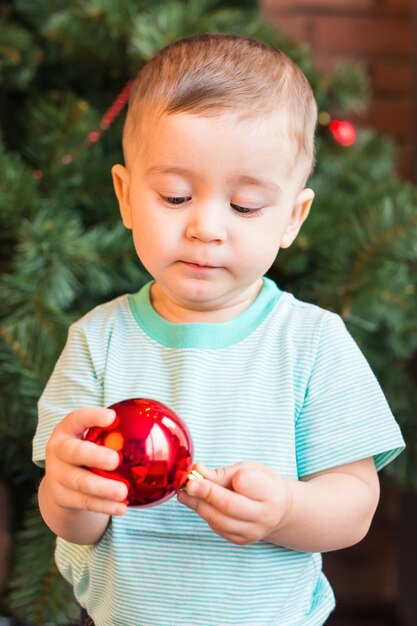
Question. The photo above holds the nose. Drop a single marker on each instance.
(206, 224)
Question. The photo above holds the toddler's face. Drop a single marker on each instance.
(210, 201)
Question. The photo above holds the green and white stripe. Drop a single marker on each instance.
(283, 384)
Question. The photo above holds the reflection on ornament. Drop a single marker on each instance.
(343, 132)
(154, 446)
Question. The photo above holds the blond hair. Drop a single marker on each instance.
(212, 73)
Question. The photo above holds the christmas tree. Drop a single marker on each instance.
(65, 70)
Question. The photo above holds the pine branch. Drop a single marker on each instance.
(382, 240)
(62, 249)
(38, 593)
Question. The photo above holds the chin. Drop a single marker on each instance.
(200, 299)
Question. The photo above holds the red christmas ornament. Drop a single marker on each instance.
(155, 450)
(343, 132)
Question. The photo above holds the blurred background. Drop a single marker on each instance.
(65, 71)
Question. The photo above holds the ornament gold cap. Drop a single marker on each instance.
(193, 475)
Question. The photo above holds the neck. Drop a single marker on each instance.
(182, 313)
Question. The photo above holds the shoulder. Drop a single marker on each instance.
(104, 317)
(106, 323)
(91, 337)
(301, 312)
(304, 323)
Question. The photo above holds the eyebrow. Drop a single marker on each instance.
(241, 178)
(257, 182)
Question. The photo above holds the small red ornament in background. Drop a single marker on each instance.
(343, 132)
(155, 450)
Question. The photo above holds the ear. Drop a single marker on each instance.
(299, 214)
(121, 187)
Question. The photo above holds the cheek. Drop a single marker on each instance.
(262, 245)
(152, 237)
(267, 255)
(268, 251)
(256, 257)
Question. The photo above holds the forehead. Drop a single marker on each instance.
(225, 140)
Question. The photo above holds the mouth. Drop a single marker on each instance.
(199, 266)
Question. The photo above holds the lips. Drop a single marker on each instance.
(200, 265)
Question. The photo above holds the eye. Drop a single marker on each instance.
(244, 210)
(175, 200)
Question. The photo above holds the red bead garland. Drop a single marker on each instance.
(342, 131)
(94, 136)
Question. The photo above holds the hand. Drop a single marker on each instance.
(70, 484)
(243, 503)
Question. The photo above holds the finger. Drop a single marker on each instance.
(226, 501)
(234, 530)
(89, 454)
(107, 507)
(89, 484)
(77, 422)
(77, 501)
(221, 476)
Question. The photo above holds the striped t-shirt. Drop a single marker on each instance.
(282, 384)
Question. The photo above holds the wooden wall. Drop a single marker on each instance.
(376, 581)
(381, 34)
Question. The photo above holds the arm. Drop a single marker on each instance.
(248, 502)
(330, 510)
(75, 503)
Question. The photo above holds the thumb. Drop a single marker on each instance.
(254, 484)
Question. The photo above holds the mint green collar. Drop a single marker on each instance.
(202, 334)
